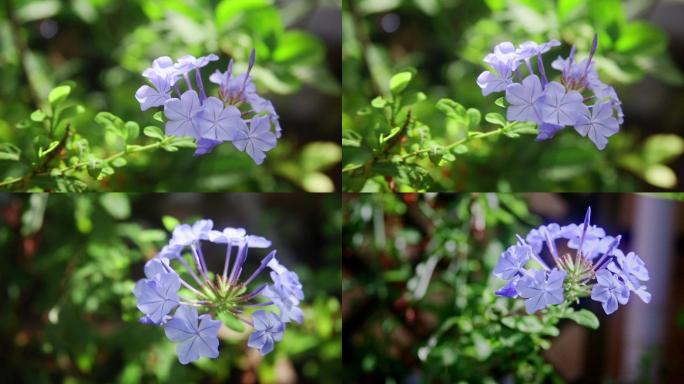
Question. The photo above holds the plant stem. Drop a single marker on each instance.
(458, 142)
(37, 171)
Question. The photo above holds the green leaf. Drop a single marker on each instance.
(460, 149)
(641, 38)
(447, 158)
(105, 172)
(377, 6)
(320, 155)
(379, 102)
(228, 9)
(112, 123)
(566, 9)
(584, 317)
(436, 154)
(399, 82)
(38, 115)
(661, 176)
(169, 222)
(116, 204)
(317, 182)
(452, 109)
(474, 118)
(153, 132)
(606, 13)
(500, 102)
(9, 151)
(118, 162)
(663, 148)
(496, 5)
(295, 47)
(94, 167)
(495, 118)
(159, 116)
(51, 147)
(132, 129)
(58, 94)
(37, 10)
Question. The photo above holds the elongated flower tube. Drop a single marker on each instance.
(597, 268)
(190, 312)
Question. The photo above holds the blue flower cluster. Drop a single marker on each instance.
(579, 99)
(238, 114)
(598, 268)
(163, 290)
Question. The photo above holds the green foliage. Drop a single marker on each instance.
(414, 118)
(69, 120)
(61, 158)
(70, 263)
(418, 278)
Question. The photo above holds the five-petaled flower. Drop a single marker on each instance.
(267, 330)
(541, 289)
(195, 336)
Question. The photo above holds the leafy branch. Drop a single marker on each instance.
(67, 162)
(394, 150)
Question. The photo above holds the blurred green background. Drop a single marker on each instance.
(69, 264)
(443, 42)
(101, 47)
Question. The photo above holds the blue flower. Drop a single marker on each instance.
(235, 88)
(509, 290)
(512, 262)
(192, 326)
(548, 131)
(286, 280)
(267, 330)
(632, 270)
(536, 236)
(185, 234)
(156, 96)
(189, 62)
(598, 268)
(559, 107)
(599, 124)
(264, 107)
(503, 55)
(227, 235)
(162, 68)
(496, 80)
(238, 114)
(205, 146)
(610, 291)
(553, 105)
(523, 98)
(286, 303)
(195, 336)
(257, 139)
(540, 289)
(157, 296)
(218, 123)
(157, 266)
(531, 49)
(181, 115)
